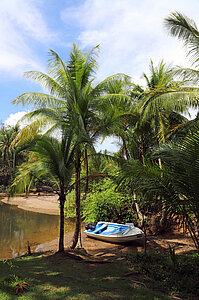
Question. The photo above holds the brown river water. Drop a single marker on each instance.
(18, 226)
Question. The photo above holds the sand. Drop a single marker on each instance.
(99, 249)
(45, 204)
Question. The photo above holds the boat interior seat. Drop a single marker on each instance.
(107, 229)
(100, 228)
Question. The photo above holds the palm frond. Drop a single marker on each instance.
(186, 30)
(48, 83)
(39, 100)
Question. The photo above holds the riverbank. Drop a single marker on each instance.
(45, 204)
(48, 204)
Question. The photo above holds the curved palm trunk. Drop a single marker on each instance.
(62, 200)
(77, 199)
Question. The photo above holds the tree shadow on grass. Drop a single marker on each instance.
(58, 276)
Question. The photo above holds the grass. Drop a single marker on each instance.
(62, 277)
(172, 274)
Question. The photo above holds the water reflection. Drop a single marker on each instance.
(18, 226)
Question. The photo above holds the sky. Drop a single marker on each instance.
(130, 33)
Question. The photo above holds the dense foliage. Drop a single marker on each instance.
(105, 203)
(157, 163)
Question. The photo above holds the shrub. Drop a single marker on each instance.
(105, 203)
(70, 205)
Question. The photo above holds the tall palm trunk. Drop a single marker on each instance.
(62, 200)
(142, 153)
(139, 214)
(77, 199)
(164, 214)
(125, 149)
(86, 165)
(163, 218)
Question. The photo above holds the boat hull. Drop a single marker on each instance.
(131, 233)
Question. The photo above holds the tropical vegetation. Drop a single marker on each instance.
(155, 172)
(152, 180)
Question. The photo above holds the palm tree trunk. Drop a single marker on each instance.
(125, 149)
(139, 214)
(86, 165)
(142, 153)
(62, 199)
(77, 199)
(164, 211)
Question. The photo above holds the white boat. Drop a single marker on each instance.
(114, 232)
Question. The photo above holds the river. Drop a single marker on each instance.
(18, 226)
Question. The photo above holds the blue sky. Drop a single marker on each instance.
(130, 33)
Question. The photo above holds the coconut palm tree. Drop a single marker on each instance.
(73, 101)
(52, 160)
(156, 115)
(164, 97)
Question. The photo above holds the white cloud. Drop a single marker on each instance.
(130, 32)
(14, 118)
(27, 17)
(21, 24)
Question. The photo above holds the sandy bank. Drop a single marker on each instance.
(93, 246)
(41, 204)
(99, 249)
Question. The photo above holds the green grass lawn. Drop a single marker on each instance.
(62, 277)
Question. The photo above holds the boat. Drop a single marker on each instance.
(114, 232)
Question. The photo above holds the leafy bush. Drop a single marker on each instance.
(105, 203)
(70, 205)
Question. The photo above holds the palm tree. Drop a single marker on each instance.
(164, 96)
(181, 161)
(177, 187)
(73, 101)
(156, 116)
(52, 161)
(7, 135)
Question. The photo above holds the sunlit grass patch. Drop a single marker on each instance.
(60, 277)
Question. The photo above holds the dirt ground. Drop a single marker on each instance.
(100, 249)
